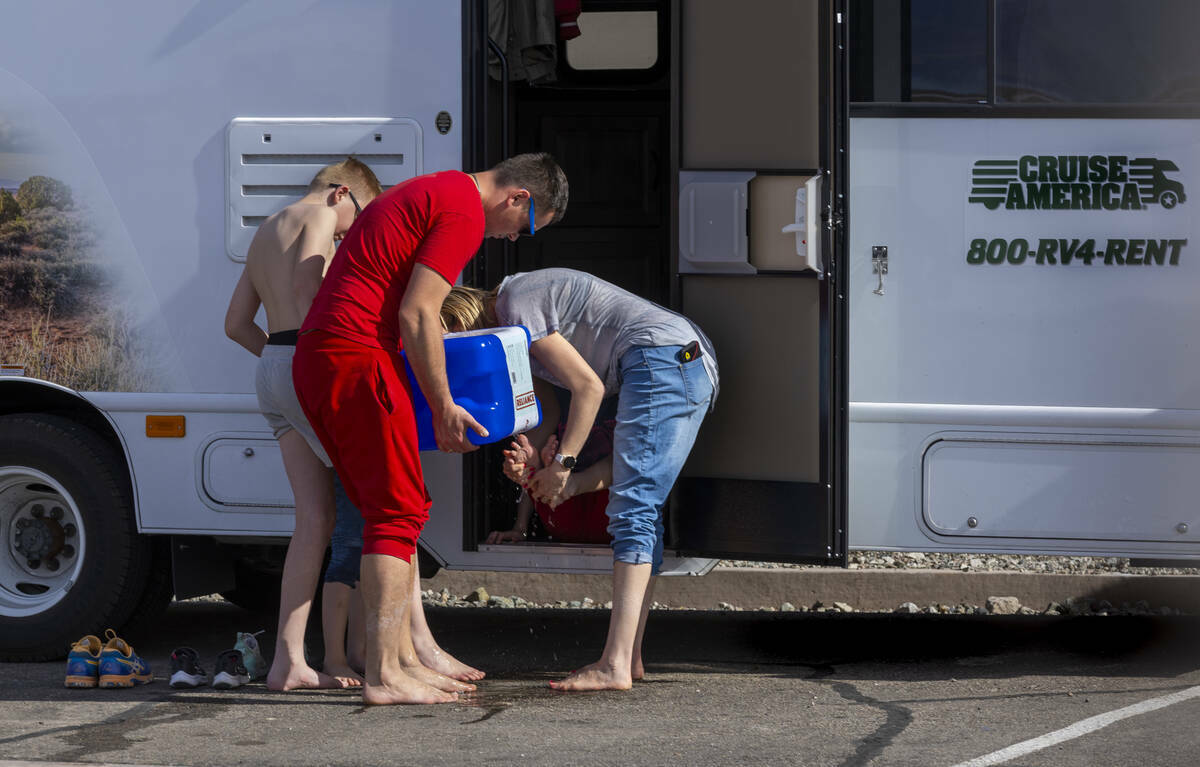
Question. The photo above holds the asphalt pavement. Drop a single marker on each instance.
(722, 688)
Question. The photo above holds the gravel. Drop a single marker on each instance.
(1026, 563)
(862, 560)
(996, 605)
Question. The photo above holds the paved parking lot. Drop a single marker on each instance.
(724, 688)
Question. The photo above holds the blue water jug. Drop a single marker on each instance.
(489, 376)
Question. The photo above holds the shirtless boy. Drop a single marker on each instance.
(286, 261)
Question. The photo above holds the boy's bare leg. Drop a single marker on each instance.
(335, 616)
(386, 595)
(410, 660)
(613, 670)
(431, 655)
(312, 487)
(637, 670)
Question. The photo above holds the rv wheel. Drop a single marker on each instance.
(1168, 199)
(71, 562)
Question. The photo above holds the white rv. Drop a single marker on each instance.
(992, 354)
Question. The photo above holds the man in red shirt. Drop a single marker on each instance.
(383, 293)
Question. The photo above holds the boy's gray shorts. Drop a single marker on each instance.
(277, 397)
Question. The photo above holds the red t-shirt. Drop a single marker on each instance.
(434, 220)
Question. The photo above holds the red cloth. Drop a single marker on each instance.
(357, 399)
(435, 220)
(580, 519)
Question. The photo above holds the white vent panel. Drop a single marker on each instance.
(270, 162)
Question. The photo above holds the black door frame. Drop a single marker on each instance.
(756, 507)
(826, 544)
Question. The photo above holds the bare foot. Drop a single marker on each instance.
(344, 674)
(637, 669)
(404, 689)
(597, 676)
(284, 676)
(437, 659)
(437, 681)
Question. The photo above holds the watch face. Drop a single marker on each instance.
(567, 461)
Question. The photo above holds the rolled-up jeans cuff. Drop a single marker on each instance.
(633, 556)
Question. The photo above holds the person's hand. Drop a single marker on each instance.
(519, 463)
(548, 483)
(450, 429)
(502, 536)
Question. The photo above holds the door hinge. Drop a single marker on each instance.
(832, 219)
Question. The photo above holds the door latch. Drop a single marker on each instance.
(879, 265)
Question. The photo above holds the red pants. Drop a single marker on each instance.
(357, 399)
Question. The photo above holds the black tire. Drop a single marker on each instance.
(258, 584)
(1168, 199)
(160, 588)
(114, 561)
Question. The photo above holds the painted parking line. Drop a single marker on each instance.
(22, 763)
(1080, 728)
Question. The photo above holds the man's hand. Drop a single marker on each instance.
(548, 484)
(450, 429)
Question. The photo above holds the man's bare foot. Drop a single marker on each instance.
(344, 674)
(597, 676)
(404, 689)
(638, 671)
(437, 659)
(285, 676)
(437, 681)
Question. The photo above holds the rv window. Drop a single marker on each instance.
(928, 51)
(615, 40)
(1097, 52)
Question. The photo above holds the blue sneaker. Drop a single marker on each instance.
(120, 666)
(83, 662)
(252, 658)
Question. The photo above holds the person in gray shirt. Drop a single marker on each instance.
(595, 339)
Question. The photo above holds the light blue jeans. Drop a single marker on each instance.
(661, 403)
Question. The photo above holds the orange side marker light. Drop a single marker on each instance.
(166, 426)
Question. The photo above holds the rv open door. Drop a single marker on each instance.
(759, 138)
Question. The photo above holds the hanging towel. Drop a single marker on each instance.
(528, 32)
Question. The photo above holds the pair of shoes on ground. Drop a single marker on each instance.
(236, 667)
(113, 664)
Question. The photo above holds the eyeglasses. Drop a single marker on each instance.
(532, 226)
(357, 207)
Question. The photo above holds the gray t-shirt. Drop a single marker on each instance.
(596, 317)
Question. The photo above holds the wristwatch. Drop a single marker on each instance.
(567, 461)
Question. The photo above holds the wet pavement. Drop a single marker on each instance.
(722, 688)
